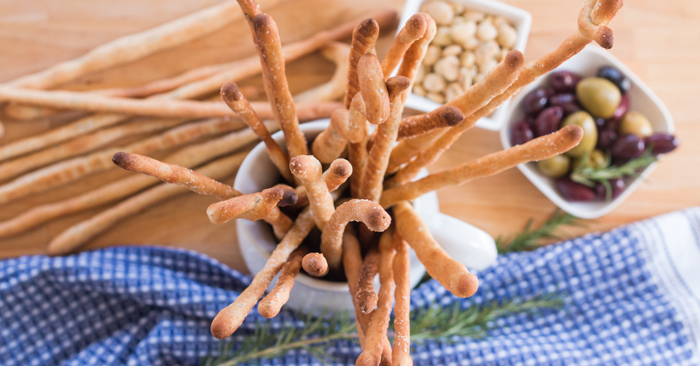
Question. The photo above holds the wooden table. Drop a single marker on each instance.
(658, 40)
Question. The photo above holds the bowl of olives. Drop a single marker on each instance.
(626, 130)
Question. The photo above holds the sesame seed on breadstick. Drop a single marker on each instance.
(232, 96)
(366, 295)
(413, 30)
(373, 176)
(364, 37)
(367, 212)
(451, 274)
(272, 303)
(336, 174)
(401, 352)
(230, 318)
(541, 148)
(442, 117)
(372, 353)
(315, 264)
(373, 89)
(272, 59)
(309, 171)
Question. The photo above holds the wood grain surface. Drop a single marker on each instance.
(657, 40)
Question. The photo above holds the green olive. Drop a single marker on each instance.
(590, 133)
(555, 167)
(637, 124)
(596, 159)
(598, 96)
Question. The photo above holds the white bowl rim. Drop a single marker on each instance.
(555, 197)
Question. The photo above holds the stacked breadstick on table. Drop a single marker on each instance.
(373, 187)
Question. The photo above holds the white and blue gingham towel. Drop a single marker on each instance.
(632, 297)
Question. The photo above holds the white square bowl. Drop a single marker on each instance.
(642, 99)
(519, 18)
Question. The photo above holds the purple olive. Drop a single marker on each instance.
(548, 121)
(617, 185)
(572, 191)
(521, 133)
(621, 81)
(536, 100)
(661, 143)
(627, 147)
(605, 139)
(622, 108)
(564, 81)
(566, 101)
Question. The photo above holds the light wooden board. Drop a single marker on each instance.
(656, 39)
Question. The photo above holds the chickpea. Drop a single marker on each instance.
(486, 51)
(434, 83)
(507, 36)
(458, 20)
(440, 11)
(489, 64)
(420, 73)
(436, 97)
(465, 77)
(453, 91)
(473, 15)
(431, 55)
(442, 37)
(486, 31)
(418, 90)
(453, 50)
(448, 67)
(462, 33)
(457, 7)
(467, 59)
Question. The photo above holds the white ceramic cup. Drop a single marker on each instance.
(256, 240)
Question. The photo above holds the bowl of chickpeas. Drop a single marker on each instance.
(472, 37)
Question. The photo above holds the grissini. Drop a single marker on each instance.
(413, 30)
(364, 38)
(373, 89)
(309, 171)
(401, 352)
(315, 264)
(272, 303)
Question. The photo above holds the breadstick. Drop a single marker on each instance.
(330, 143)
(82, 145)
(413, 30)
(280, 222)
(373, 89)
(190, 156)
(71, 170)
(315, 264)
(336, 174)
(495, 82)
(367, 212)
(289, 196)
(233, 97)
(157, 107)
(364, 38)
(230, 318)
(451, 274)
(372, 353)
(373, 176)
(308, 170)
(335, 88)
(79, 234)
(401, 352)
(2, 130)
(410, 147)
(253, 207)
(271, 304)
(272, 59)
(366, 296)
(243, 69)
(413, 57)
(357, 145)
(540, 148)
(445, 116)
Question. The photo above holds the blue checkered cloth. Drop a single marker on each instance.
(632, 297)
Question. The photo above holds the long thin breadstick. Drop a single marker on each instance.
(401, 352)
(190, 156)
(271, 304)
(357, 148)
(367, 212)
(451, 274)
(244, 68)
(495, 82)
(538, 149)
(407, 149)
(79, 234)
(364, 38)
(373, 176)
(82, 145)
(373, 89)
(156, 107)
(230, 318)
(233, 97)
(372, 353)
(309, 171)
(253, 207)
(315, 264)
(330, 143)
(445, 116)
(336, 174)
(73, 169)
(2, 130)
(270, 48)
(413, 30)
(366, 295)
(335, 88)
(413, 57)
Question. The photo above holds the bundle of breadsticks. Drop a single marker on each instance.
(374, 187)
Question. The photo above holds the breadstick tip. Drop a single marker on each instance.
(416, 26)
(605, 37)
(571, 134)
(123, 160)
(305, 166)
(514, 59)
(377, 219)
(262, 21)
(467, 286)
(315, 264)
(367, 359)
(289, 195)
(231, 93)
(397, 84)
(341, 168)
(452, 115)
(367, 27)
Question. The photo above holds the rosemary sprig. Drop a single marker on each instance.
(589, 176)
(529, 238)
(429, 323)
